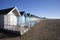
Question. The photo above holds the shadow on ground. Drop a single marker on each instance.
(8, 34)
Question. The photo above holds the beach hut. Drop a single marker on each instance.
(23, 22)
(33, 20)
(9, 18)
(22, 18)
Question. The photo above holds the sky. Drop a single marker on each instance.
(41, 8)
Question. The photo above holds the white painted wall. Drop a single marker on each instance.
(10, 21)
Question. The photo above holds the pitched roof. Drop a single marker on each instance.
(34, 16)
(28, 14)
(5, 11)
(22, 12)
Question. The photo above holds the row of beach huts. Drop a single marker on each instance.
(15, 20)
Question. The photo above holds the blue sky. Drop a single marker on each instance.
(41, 8)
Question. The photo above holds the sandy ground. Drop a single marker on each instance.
(45, 30)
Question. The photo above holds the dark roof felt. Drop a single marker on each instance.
(5, 11)
(22, 12)
(34, 16)
(28, 14)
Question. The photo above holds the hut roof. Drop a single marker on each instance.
(34, 16)
(5, 11)
(28, 14)
(22, 12)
